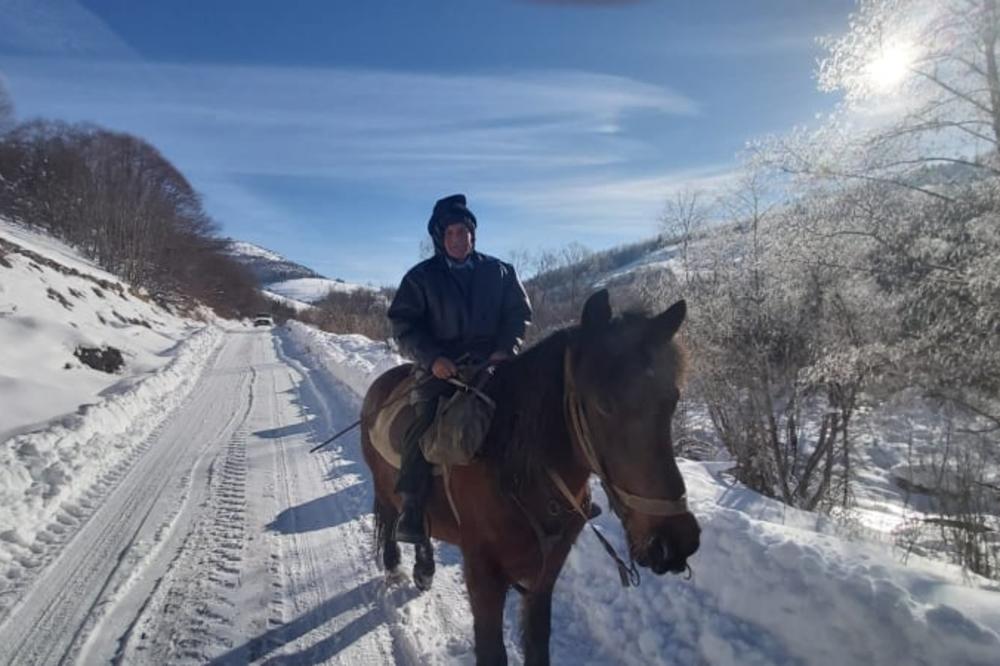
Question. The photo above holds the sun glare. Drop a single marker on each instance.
(890, 67)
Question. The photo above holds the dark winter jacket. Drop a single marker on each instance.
(439, 310)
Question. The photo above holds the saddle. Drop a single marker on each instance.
(392, 422)
(458, 430)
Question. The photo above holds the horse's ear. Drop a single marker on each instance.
(663, 326)
(596, 311)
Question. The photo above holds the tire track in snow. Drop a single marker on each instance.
(72, 517)
(336, 597)
(67, 600)
(189, 613)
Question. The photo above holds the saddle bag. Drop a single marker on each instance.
(459, 428)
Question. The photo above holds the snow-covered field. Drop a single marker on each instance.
(181, 519)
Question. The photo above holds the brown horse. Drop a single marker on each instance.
(596, 398)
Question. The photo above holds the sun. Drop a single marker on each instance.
(890, 66)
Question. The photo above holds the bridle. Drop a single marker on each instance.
(580, 429)
(618, 496)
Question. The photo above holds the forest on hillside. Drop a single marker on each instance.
(122, 203)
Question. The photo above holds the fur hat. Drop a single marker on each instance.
(447, 211)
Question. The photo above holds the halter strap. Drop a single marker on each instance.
(581, 430)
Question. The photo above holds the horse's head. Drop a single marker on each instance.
(625, 374)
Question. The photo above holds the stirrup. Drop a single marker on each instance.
(595, 510)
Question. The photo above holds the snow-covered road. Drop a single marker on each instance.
(225, 540)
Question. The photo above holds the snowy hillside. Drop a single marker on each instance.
(267, 266)
(64, 424)
(284, 281)
(52, 301)
(310, 290)
(298, 306)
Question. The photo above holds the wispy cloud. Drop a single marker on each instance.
(613, 206)
(57, 28)
(551, 150)
(410, 131)
(350, 123)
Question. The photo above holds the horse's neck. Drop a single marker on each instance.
(533, 433)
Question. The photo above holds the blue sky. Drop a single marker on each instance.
(326, 130)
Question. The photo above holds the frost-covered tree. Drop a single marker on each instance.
(682, 218)
(897, 207)
(775, 334)
(921, 98)
(928, 67)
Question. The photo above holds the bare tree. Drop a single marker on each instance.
(767, 324)
(684, 216)
(522, 259)
(922, 76)
(362, 311)
(121, 202)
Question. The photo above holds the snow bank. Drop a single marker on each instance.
(54, 302)
(65, 427)
(771, 585)
(353, 360)
(48, 470)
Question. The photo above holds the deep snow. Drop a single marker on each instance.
(772, 585)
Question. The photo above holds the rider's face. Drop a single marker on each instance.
(457, 241)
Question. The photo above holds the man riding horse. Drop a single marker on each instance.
(459, 304)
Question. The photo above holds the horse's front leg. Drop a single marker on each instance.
(423, 565)
(487, 593)
(536, 605)
(536, 625)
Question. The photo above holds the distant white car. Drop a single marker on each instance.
(263, 320)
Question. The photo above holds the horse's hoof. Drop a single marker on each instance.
(394, 578)
(423, 580)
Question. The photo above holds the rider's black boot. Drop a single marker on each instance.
(410, 526)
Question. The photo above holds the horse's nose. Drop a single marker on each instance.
(656, 556)
(677, 544)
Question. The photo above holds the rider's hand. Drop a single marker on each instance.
(443, 368)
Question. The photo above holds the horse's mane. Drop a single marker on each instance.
(529, 427)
